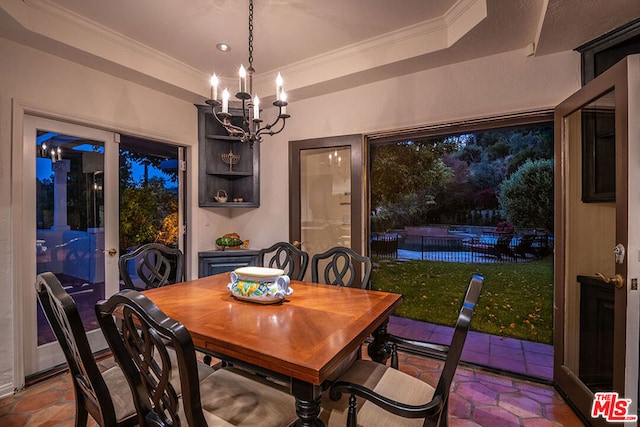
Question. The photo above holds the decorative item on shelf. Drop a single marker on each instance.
(221, 196)
(259, 284)
(230, 159)
(250, 131)
(238, 200)
(231, 241)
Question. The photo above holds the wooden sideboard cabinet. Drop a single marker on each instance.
(240, 181)
(215, 262)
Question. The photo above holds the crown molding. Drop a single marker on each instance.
(122, 56)
(409, 42)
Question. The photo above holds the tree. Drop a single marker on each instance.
(146, 214)
(526, 197)
(404, 179)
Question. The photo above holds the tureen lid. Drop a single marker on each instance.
(253, 271)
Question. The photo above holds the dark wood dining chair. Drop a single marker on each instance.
(137, 329)
(105, 396)
(341, 266)
(373, 394)
(153, 265)
(285, 256)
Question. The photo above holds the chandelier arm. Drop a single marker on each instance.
(268, 128)
(228, 126)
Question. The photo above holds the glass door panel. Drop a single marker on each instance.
(325, 194)
(70, 220)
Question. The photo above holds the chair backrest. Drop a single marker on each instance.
(154, 264)
(341, 266)
(285, 256)
(459, 336)
(61, 311)
(140, 336)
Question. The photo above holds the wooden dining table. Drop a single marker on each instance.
(303, 340)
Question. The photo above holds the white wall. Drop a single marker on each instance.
(38, 81)
(490, 86)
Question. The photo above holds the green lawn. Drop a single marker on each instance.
(516, 299)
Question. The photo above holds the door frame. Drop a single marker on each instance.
(49, 355)
(624, 79)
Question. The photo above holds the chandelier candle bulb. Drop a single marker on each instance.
(214, 87)
(59, 153)
(278, 87)
(225, 101)
(243, 79)
(256, 108)
(283, 98)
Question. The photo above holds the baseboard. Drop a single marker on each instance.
(6, 390)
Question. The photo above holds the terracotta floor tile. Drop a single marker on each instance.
(540, 422)
(456, 422)
(38, 401)
(478, 398)
(53, 415)
(459, 407)
(495, 416)
(521, 406)
(477, 393)
(545, 399)
(537, 388)
(13, 420)
(488, 377)
(563, 414)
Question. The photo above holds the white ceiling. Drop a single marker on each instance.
(318, 45)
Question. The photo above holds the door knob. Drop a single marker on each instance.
(112, 251)
(617, 280)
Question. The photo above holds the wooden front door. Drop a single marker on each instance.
(597, 253)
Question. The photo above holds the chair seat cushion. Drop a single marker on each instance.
(119, 391)
(384, 380)
(231, 397)
(116, 382)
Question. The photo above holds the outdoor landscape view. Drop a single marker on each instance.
(445, 208)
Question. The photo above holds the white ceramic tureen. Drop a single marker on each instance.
(259, 284)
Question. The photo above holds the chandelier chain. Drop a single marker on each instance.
(251, 34)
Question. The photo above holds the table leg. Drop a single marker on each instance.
(379, 349)
(307, 403)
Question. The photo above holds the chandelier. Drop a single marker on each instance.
(252, 127)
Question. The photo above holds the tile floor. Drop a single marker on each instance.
(478, 398)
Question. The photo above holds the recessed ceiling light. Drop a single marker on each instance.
(223, 47)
